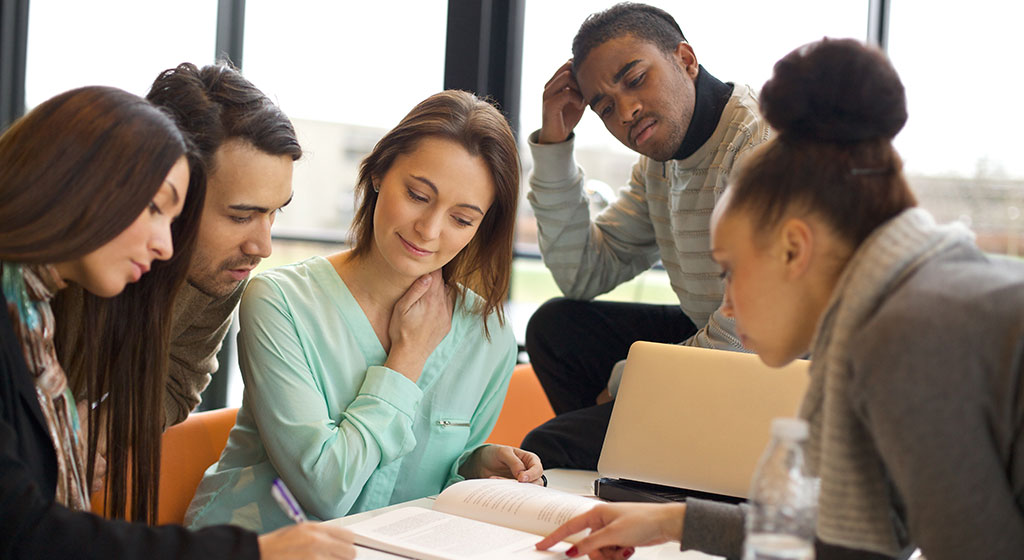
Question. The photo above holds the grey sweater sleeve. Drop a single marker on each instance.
(714, 528)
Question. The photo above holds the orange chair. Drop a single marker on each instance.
(526, 407)
(187, 449)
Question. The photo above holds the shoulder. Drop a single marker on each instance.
(286, 285)
(501, 335)
(744, 115)
(958, 316)
(287, 278)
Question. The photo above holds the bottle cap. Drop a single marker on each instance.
(789, 428)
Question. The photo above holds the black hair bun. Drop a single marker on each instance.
(835, 90)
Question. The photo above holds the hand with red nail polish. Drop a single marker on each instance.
(615, 529)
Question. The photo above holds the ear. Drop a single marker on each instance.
(796, 241)
(686, 58)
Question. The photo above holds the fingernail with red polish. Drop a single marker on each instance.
(572, 552)
(628, 552)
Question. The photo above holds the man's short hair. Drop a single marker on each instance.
(651, 24)
(215, 103)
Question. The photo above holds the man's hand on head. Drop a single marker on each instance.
(563, 106)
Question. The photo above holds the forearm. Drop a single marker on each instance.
(587, 257)
(326, 462)
(714, 528)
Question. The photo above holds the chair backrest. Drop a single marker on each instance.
(188, 449)
(526, 407)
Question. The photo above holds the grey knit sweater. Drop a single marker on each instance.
(927, 416)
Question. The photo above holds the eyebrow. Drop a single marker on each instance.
(433, 187)
(615, 79)
(260, 209)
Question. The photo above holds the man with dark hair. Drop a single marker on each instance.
(633, 67)
(243, 149)
(246, 146)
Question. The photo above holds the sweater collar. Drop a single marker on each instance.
(710, 98)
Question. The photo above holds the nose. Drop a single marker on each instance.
(629, 109)
(161, 243)
(727, 305)
(257, 243)
(428, 226)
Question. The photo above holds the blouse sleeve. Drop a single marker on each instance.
(324, 462)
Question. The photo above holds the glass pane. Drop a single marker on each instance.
(345, 72)
(961, 148)
(122, 43)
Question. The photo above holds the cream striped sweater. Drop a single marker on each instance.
(662, 214)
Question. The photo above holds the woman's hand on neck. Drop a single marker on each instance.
(410, 318)
(419, 322)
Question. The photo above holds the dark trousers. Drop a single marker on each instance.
(573, 346)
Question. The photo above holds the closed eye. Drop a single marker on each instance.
(462, 222)
(154, 208)
(416, 196)
(637, 80)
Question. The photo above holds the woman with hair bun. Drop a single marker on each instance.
(915, 402)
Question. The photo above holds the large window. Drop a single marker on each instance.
(345, 72)
(122, 43)
(961, 146)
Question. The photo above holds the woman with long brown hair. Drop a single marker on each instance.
(91, 182)
(374, 375)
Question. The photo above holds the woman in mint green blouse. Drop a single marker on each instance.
(374, 376)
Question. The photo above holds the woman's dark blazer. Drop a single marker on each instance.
(33, 526)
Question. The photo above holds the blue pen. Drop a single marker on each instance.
(287, 502)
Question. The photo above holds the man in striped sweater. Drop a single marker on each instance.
(633, 67)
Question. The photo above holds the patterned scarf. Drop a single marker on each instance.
(28, 289)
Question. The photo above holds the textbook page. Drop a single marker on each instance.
(526, 507)
(426, 534)
(475, 519)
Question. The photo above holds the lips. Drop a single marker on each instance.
(138, 269)
(414, 249)
(641, 131)
(239, 274)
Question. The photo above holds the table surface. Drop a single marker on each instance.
(566, 480)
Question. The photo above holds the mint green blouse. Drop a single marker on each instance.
(320, 411)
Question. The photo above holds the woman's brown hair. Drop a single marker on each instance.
(835, 106)
(94, 158)
(484, 265)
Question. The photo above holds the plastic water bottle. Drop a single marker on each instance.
(783, 498)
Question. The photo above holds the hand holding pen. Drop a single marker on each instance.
(313, 541)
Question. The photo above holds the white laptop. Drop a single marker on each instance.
(692, 421)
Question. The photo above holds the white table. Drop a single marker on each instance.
(566, 480)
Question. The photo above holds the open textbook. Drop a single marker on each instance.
(473, 519)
